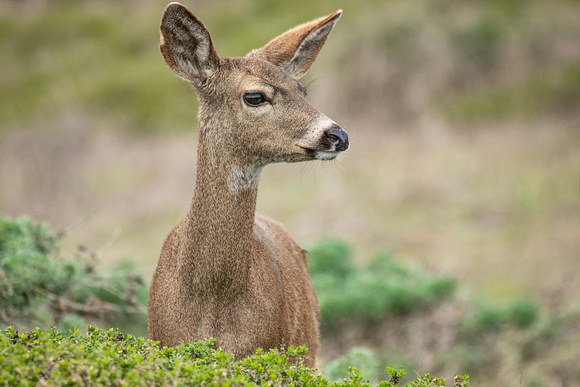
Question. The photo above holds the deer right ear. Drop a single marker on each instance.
(186, 45)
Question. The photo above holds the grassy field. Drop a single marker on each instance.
(464, 120)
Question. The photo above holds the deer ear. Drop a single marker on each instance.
(295, 50)
(186, 45)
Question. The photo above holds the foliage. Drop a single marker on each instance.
(390, 311)
(38, 282)
(521, 314)
(25, 263)
(369, 362)
(112, 358)
(386, 287)
(369, 293)
(363, 359)
(40, 286)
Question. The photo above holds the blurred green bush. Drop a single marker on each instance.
(40, 285)
(349, 292)
(521, 314)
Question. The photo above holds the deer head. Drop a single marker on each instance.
(253, 110)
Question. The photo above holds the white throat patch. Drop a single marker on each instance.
(244, 177)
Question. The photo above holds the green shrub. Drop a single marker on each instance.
(363, 359)
(521, 315)
(41, 286)
(330, 256)
(111, 358)
(26, 265)
(368, 293)
(486, 319)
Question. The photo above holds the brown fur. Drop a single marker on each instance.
(224, 271)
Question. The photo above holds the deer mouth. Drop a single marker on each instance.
(317, 154)
(326, 155)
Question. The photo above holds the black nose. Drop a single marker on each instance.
(339, 138)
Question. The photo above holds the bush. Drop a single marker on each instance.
(26, 266)
(111, 358)
(521, 315)
(369, 293)
(40, 287)
(365, 360)
(330, 257)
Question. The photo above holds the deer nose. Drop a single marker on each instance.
(339, 138)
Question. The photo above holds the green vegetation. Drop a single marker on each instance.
(40, 285)
(392, 312)
(112, 358)
(387, 312)
(521, 315)
(368, 293)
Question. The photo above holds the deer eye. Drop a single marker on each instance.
(254, 99)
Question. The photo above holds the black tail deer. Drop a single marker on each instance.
(224, 271)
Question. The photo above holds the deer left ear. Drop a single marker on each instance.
(295, 50)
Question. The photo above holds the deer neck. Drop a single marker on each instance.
(221, 217)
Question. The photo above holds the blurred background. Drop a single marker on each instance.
(464, 120)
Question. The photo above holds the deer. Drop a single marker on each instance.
(224, 271)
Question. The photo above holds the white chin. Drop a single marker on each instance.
(322, 155)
